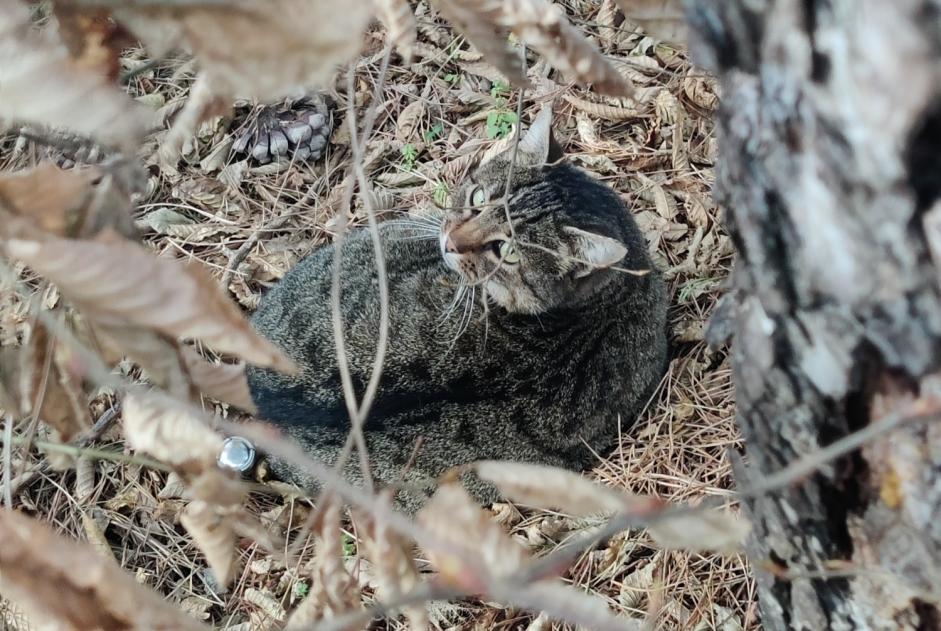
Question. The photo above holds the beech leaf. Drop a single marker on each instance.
(663, 19)
(541, 25)
(398, 18)
(118, 282)
(71, 586)
(258, 50)
(473, 538)
(169, 432)
(40, 83)
(564, 602)
(716, 530)
(479, 21)
(211, 527)
(546, 487)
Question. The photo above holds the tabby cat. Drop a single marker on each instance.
(528, 343)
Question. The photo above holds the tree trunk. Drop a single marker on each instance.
(830, 175)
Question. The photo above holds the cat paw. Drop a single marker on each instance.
(292, 130)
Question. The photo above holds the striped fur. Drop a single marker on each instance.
(548, 387)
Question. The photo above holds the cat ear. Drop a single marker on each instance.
(538, 146)
(593, 251)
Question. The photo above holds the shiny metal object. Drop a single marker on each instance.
(237, 453)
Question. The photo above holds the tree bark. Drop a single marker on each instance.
(830, 176)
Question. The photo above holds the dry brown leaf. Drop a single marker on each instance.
(720, 531)
(224, 382)
(395, 565)
(260, 50)
(54, 200)
(398, 18)
(547, 487)
(663, 19)
(479, 22)
(71, 586)
(564, 602)
(473, 539)
(333, 591)
(544, 27)
(211, 527)
(213, 518)
(409, 118)
(201, 105)
(31, 375)
(117, 282)
(40, 84)
(169, 432)
(94, 40)
(72, 203)
(608, 112)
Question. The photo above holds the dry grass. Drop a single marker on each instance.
(658, 153)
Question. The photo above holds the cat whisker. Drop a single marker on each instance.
(458, 295)
(425, 237)
(466, 316)
(415, 226)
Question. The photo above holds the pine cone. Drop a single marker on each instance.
(296, 130)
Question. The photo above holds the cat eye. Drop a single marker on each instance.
(478, 197)
(508, 253)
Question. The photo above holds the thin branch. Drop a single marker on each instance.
(8, 461)
(815, 460)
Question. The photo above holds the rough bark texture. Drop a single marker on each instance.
(830, 174)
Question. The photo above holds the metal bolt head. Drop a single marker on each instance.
(237, 453)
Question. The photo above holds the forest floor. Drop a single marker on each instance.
(437, 115)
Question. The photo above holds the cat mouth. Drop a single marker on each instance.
(451, 259)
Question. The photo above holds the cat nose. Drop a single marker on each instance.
(454, 245)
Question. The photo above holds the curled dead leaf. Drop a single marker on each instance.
(247, 49)
(544, 27)
(94, 40)
(51, 199)
(547, 487)
(663, 19)
(476, 547)
(40, 84)
(398, 18)
(479, 22)
(72, 586)
(36, 374)
(409, 118)
(395, 564)
(118, 282)
(211, 527)
(333, 591)
(46, 200)
(169, 432)
(564, 602)
(225, 382)
(716, 530)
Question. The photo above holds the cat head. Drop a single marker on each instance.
(568, 229)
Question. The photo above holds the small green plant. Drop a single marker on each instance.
(436, 131)
(501, 120)
(349, 546)
(696, 287)
(441, 193)
(301, 589)
(452, 78)
(500, 90)
(409, 156)
(500, 123)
